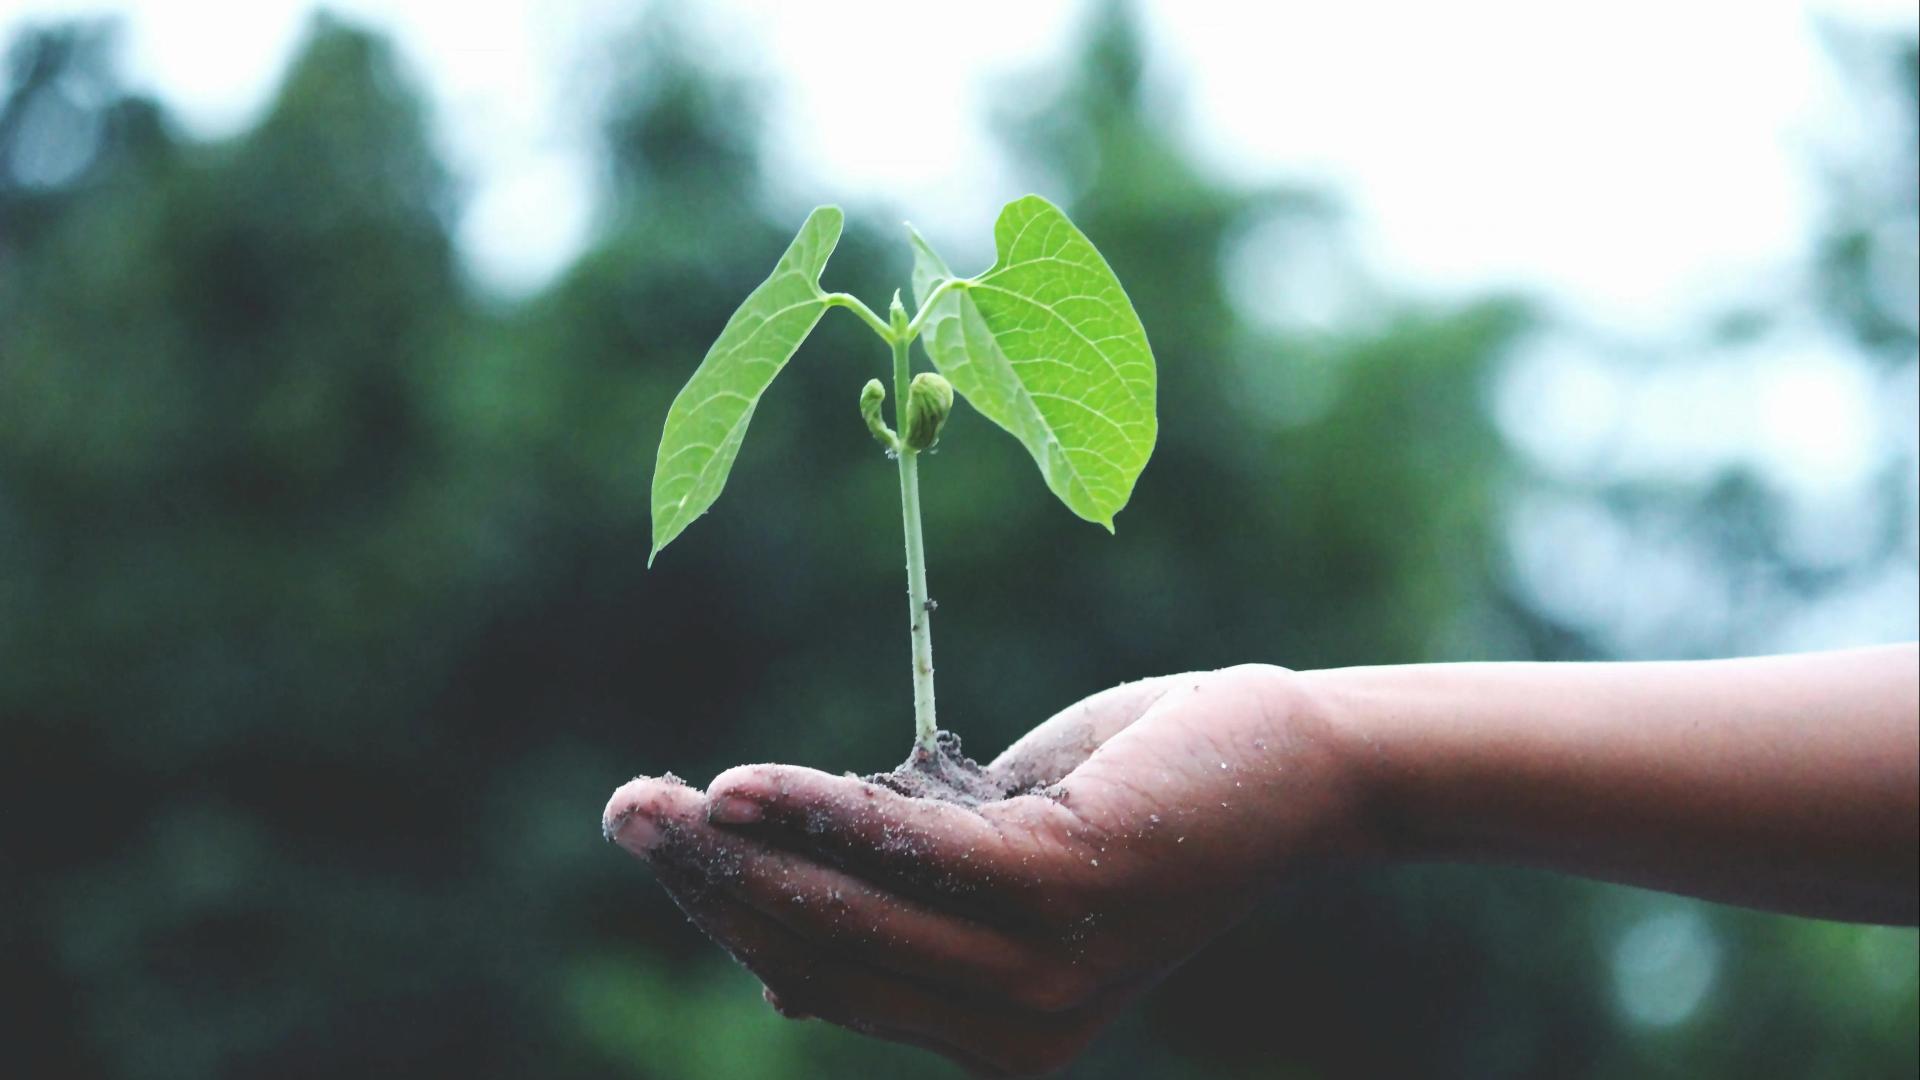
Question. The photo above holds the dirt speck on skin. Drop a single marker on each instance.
(946, 774)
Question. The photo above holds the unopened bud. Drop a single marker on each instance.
(929, 400)
(872, 396)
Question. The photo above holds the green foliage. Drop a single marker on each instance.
(325, 637)
(1047, 345)
(708, 419)
(1051, 346)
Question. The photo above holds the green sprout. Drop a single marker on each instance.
(1044, 343)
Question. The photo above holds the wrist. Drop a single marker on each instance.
(1373, 821)
(1327, 800)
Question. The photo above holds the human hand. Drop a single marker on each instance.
(1005, 936)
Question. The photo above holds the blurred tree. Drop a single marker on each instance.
(327, 628)
(222, 553)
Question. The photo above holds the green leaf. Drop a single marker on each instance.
(708, 419)
(1047, 345)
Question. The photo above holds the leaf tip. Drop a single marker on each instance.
(1030, 198)
(832, 215)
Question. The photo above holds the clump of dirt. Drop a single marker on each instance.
(946, 774)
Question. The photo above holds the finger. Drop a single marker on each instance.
(838, 913)
(629, 819)
(1058, 746)
(883, 930)
(805, 978)
(788, 965)
(927, 848)
(791, 1012)
(772, 952)
(663, 821)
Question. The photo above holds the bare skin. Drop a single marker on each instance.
(1005, 937)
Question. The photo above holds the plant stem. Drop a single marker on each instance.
(919, 609)
(852, 303)
(926, 306)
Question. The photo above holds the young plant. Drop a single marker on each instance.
(1044, 343)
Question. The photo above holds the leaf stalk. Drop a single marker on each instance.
(920, 317)
(852, 303)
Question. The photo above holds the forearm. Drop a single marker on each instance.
(1788, 783)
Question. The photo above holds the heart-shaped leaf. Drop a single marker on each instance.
(1047, 345)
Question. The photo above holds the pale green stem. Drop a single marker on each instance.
(920, 317)
(920, 610)
(852, 303)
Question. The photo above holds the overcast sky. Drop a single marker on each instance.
(1630, 158)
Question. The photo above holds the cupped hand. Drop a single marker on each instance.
(1149, 818)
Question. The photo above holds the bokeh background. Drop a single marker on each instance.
(328, 411)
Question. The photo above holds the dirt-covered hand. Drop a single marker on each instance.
(1140, 823)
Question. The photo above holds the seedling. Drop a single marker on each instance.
(1044, 343)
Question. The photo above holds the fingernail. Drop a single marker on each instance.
(733, 810)
(634, 831)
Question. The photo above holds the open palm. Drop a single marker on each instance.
(1005, 936)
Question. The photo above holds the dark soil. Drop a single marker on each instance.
(946, 774)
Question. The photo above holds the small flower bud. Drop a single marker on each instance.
(929, 400)
(871, 397)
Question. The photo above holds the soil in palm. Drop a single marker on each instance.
(947, 774)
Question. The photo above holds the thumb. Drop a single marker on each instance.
(1063, 743)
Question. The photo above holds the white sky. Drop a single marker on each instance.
(1629, 159)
